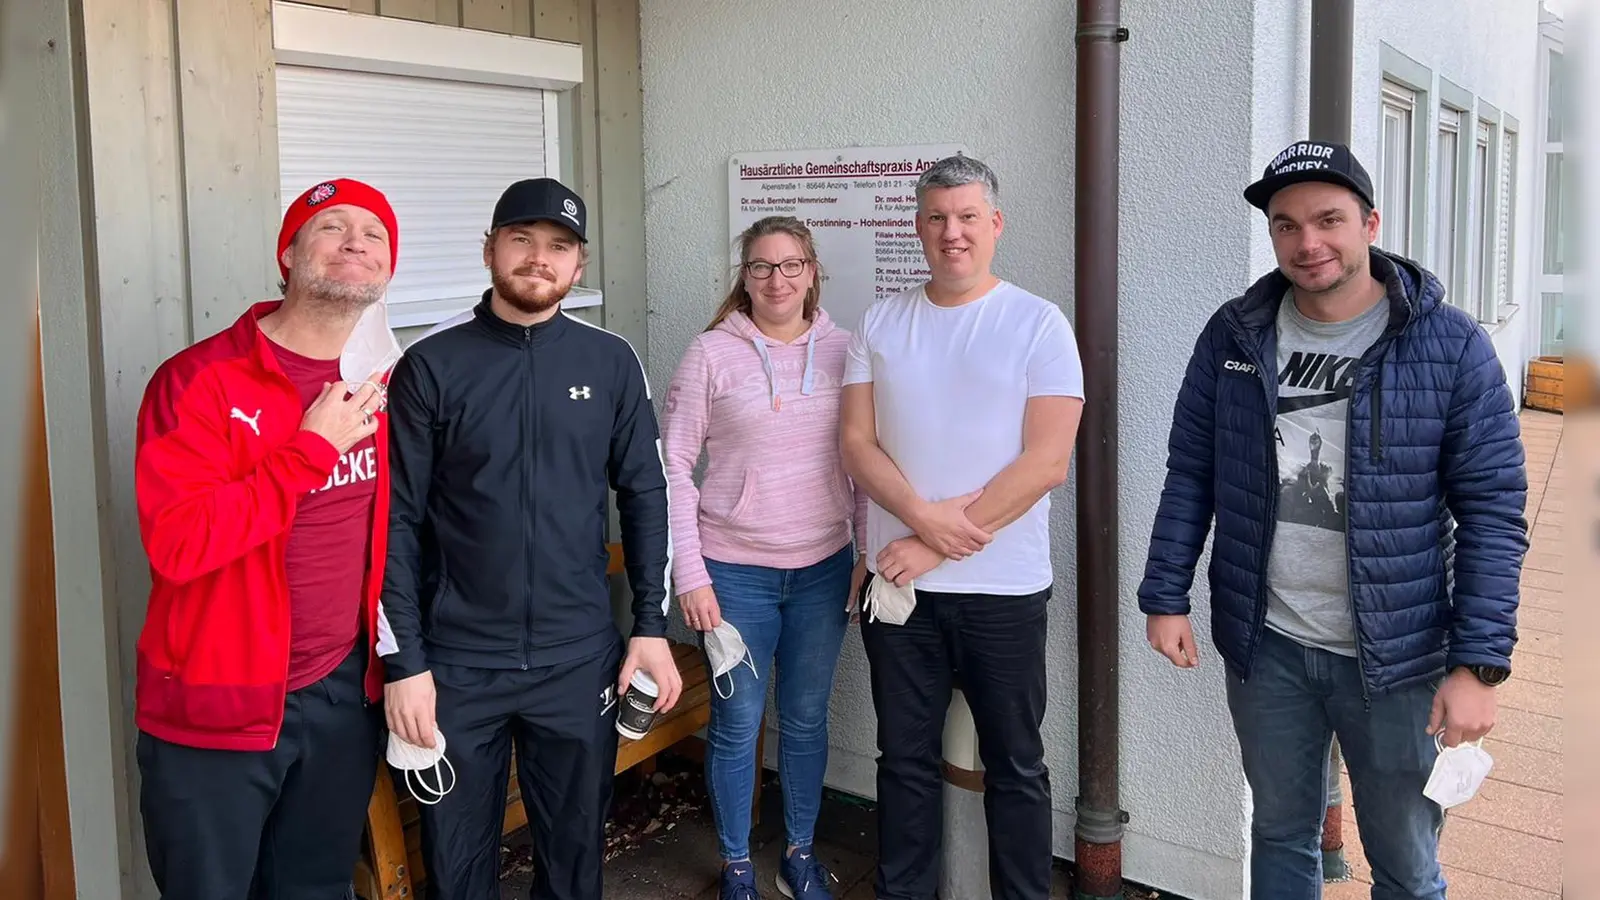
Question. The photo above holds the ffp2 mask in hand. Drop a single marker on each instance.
(889, 603)
(1458, 772)
(725, 649)
(413, 759)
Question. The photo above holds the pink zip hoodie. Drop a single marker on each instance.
(767, 413)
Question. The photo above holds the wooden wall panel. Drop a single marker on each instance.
(489, 15)
(418, 10)
(619, 115)
(230, 141)
(142, 261)
(557, 20)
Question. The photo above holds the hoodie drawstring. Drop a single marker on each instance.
(811, 346)
(766, 366)
(806, 381)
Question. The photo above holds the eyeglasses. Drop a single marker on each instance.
(789, 267)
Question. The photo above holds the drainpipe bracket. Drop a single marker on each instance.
(1111, 32)
(1099, 826)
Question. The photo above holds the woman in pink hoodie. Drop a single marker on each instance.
(764, 543)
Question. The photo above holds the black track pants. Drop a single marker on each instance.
(562, 720)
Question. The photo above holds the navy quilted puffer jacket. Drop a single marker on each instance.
(1436, 485)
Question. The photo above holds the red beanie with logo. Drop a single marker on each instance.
(338, 192)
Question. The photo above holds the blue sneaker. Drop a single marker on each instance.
(803, 877)
(739, 882)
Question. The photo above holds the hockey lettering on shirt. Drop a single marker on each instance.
(1308, 586)
(327, 555)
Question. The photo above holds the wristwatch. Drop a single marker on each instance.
(1489, 675)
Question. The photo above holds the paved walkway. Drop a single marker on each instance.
(1506, 842)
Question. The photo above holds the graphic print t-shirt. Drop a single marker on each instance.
(327, 554)
(1308, 584)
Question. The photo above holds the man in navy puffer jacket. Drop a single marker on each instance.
(1354, 439)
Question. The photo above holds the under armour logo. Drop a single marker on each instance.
(252, 421)
(578, 393)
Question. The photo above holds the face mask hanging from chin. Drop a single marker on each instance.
(726, 650)
(414, 760)
(372, 347)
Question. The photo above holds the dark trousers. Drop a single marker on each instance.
(994, 645)
(562, 720)
(279, 824)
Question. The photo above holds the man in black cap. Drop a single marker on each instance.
(508, 426)
(1353, 438)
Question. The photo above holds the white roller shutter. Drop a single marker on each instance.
(441, 151)
(1503, 260)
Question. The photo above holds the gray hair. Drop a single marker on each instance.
(955, 171)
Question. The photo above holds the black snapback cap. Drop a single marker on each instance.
(541, 200)
(1311, 161)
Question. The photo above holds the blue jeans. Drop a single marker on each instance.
(798, 617)
(1296, 698)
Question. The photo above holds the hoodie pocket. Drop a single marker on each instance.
(715, 495)
(747, 496)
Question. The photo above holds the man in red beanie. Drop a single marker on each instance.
(262, 482)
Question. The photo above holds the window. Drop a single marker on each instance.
(440, 119)
(1445, 206)
(1479, 229)
(1505, 238)
(1394, 173)
(1555, 219)
(1551, 219)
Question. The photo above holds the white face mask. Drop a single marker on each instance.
(726, 650)
(889, 603)
(1458, 772)
(411, 758)
(372, 346)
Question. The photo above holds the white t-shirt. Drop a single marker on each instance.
(950, 386)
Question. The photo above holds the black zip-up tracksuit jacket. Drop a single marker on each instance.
(503, 442)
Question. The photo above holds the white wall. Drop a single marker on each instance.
(1210, 93)
(716, 84)
(846, 74)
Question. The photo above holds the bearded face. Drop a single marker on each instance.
(533, 266)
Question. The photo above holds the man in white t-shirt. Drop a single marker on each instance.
(960, 411)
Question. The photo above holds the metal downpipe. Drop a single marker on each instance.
(1332, 60)
(1332, 57)
(1098, 837)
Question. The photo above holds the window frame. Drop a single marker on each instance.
(1399, 104)
(1485, 212)
(1450, 274)
(1461, 101)
(1540, 284)
(1403, 71)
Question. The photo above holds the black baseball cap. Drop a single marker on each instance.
(1310, 161)
(541, 200)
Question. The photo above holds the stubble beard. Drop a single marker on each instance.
(1347, 273)
(341, 299)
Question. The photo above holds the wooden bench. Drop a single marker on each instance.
(391, 863)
